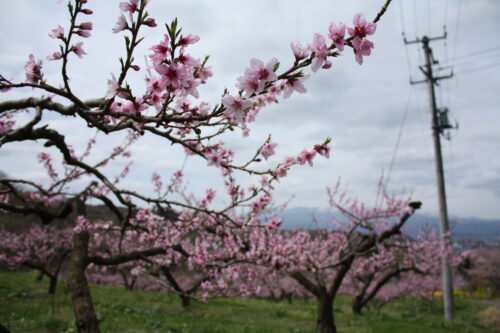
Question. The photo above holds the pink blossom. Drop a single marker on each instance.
(160, 51)
(336, 34)
(57, 33)
(188, 39)
(130, 6)
(361, 27)
(82, 224)
(78, 50)
(136, 106)
(268, 149)
(214, 157)
(257, 76)
(194, 145)
(235, 107)
(33, 70)
(321, 52)
(322, 149)
(150, 22)
(274, 224)
(121, 24)
(298, 51)
(306, 156)
(189, 87)
(83, 33)
(362, 47)
(87, 11)
(114, 89)
(280, 172)
(210, 194)
(289, 161)
(295, 84)
(188, 60)
(85, 26)
(204, 73)
(172, 74)
(55, 56)
(6, 125)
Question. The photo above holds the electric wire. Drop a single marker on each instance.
(402, 16)
(445, 12)
(400, 134)
(457, 27)
(468, 55)
(429, 20)
(415, 16)
(485, 59)
(477, 69)
(403, 29)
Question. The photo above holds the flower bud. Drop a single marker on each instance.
(150, 22)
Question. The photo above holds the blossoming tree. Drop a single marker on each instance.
(321, 260)
(168, 107)
(43, 248)
(395, 259)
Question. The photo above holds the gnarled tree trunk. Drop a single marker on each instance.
(86, 319)
(325, 322)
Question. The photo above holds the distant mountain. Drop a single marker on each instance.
(461, 227)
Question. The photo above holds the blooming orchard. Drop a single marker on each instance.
(172, 226)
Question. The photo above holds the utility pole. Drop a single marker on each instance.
(439, 123)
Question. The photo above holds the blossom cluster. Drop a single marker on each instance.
(260, 83)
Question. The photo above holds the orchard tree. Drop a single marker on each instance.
(166, 108)
(484, 270)
(395, 259)
(42, 248)
(320, 260)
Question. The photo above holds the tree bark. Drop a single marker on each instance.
(86, 318)
(55, 276)
(52, 285)
(185, 301)
(325, 322)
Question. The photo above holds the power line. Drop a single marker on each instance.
(415, 16)
(483, 59)
(477, 69)
(445, 12)
(457, 27)
(402, 16)
(400, 133)
(475, 53)
(429, 17)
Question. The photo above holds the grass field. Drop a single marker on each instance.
(25, 306)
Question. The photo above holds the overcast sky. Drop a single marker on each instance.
(361, 107)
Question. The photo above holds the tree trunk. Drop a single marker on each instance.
(55, 276)
(39, 277)
(356, 308)
(325, 322)
(52, 285)
(86, 319)
(185, 301)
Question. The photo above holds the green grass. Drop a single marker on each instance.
(25, 306)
